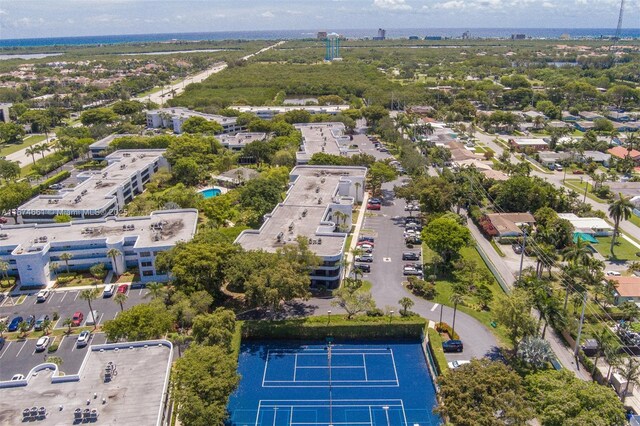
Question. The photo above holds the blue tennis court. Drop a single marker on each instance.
(293, 384)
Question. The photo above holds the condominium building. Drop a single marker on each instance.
(99, 149)
(329, 138)
(268, 112)
(31, 250)
(172, 118)
(99, 194)
(319, 207)
(240, 140)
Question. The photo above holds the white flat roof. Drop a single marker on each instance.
(186, 113)
(96, 191)
(314, 109)
(585, 222)
(530, 142)
(177, 225)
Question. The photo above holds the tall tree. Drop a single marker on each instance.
(619, 209)
(90, 294)
(483, 393)
(113, 253)
(630, 372)
(66, 257)
(514, 312)
(446, 237)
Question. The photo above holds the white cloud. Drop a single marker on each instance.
(3, 12)
(548, 5)
(451, 4)
(392, 4)
(268, 14)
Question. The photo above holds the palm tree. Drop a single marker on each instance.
(46, 326)
(42, 148)
(619, 209)
(155, 290)
(358, 185)
(613, 357)
(604, 339)
(113, 253)
(578, 253)
(90, 294)
(120, 299)
(66, 257)
(455, 299)
(23, 328)
(32, 152)
(631, 267)
(68, 322)
(4, 268)
(535, 351)
(340, 217)
(53, 268)
(630, 371)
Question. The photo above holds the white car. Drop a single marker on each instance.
(42, 296)
(42, 343)
(17, 377)
(108, 290)
(455, 364)
(613, 273)
(83, 339)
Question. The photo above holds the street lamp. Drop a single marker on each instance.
(390, 315)
(328, 317)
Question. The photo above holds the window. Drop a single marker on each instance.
(147, 273)
(145, 254)
(146, 264)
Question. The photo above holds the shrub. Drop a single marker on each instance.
(52, 348)
(50, 162)
(66, 278)
(421, 288)
(375, 312)
(58, 177)
(443, 327)
(318, 328)
(435, 346)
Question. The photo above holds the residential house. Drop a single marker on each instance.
(627, 289)
(549, 159)
(589, 115)
(567, 116)
(509, 224)
(529, 144)
(596, 157)
(622, 152)
(593, 226)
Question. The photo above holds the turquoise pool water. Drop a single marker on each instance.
(210, 193)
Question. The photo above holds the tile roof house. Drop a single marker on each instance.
(508, 224)
(627, 289)
(622, 152)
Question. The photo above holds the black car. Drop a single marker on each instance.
(367, 239)
(363, 267)
(410, 256)
(30, 320)
(1, 343)
(375, 201)
(452, 346)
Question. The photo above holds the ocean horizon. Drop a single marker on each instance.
(480, 33)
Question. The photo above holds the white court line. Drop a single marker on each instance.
(332, 381)
(264, 375)
(435, 306)
(6, 349)
(394, 365)
(295, 367)
(404, 414)
(333, 367)
(23, 345)
(364, 364)
(258, 412)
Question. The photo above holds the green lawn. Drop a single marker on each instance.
(27, 142)
(471, 306)
(623, 249)
(579, 187)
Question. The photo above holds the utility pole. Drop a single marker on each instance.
(577, 348)
(524, 246)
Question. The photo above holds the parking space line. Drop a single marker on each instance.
(23, 345)
(63, 295)
(141, 290)
(435, 306)
(99, 319)
(6, 349)
(116, 315)
(77, 294)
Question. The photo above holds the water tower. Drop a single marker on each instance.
(332, 47)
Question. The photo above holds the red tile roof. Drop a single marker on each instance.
(627, 286)
(622, 152)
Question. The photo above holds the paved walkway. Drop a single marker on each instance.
(356, 234)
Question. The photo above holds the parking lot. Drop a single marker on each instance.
(19, 357)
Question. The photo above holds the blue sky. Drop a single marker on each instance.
(51, 18)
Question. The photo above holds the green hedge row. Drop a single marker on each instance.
(435, 345)
(357, 328)
(58, 177)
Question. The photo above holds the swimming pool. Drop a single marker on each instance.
(210, 193)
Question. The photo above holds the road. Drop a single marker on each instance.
(168, 92)
(22, 158)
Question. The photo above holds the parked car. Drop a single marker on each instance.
(373, 206)
(31, 321)
(83, 339)
(56, 186)
(14, 324)
(42, 343)
(517, 248)
(578, 172)
(363, 267)
(92, 318)
(383, 149)
(17, 377)
(367, 248)
(367, 239)
(108, 290)
(3, 219)
(410, 256)
(42, 296)
(559, 167)
(366, 257)
(2, 340)
(39, 325)
(123, 288)
(455, 364)
(375, 201)
(365, 243)
(613, 273)
(452, 345)
(411, 270)
(77, 318)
